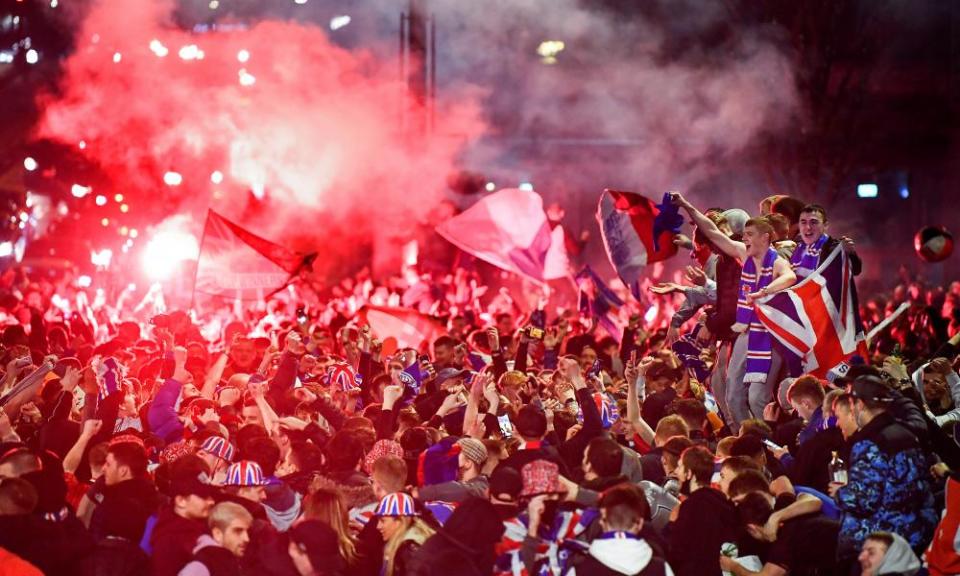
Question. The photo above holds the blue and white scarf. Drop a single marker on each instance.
(806, 258)
(759, 345)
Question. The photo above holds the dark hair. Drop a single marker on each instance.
(789, 207)
(132, 456)
(531, 422)
(755, 426)
(248, 433)
(676, 445)
(816, 208)
(264, 452)
(625, 505)
(740, 464)
(754, 509)
(344, 451)
(747, 445)
(746, 482)
(806, 386)
(605, 456)
(447, 341)
(18, 496)
(699, 461)
(880, 536)
(306, 456)
(690, 409)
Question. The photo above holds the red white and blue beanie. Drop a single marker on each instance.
(219, 447)
(396, 504)
(245, 473)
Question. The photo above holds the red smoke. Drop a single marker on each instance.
(313, 127)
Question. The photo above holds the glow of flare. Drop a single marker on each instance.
(166, 250)
(338, 22)
(549, 49)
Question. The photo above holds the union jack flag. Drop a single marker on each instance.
(110, 375)
(344, 377)
(818, 320)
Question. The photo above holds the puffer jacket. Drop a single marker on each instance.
(888, 487)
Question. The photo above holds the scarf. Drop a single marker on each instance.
(806, 258)
(759, 345)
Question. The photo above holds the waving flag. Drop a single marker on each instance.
(509, 229)
(236, 263)
(817, 320)
(410, 329)
(635, 233)
(598, 301)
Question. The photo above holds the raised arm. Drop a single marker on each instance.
(723, 242)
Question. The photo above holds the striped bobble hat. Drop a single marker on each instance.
(219, 447)
(245, 473)
(396, 504)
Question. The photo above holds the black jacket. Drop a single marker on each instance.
(116, 557)
(464, 546)
(706, 520)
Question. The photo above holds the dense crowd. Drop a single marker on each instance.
(286, 437)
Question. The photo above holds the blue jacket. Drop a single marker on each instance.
(888, 488)
(162, 416)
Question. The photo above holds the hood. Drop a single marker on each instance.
(623, 555)
(205, 541)
(474, 524)
(282, 518)
(900, 558)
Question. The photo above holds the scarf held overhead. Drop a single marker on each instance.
(759, 344)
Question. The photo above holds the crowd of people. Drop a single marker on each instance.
(289, 438)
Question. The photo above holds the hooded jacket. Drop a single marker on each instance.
(621, 554)
(173, 540)
(899, 559)
(464, 546)
(888, 488)
(211, 559)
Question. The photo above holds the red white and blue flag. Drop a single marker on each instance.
(636, 232)
(818, 320)
(599, 301)
(510, 230)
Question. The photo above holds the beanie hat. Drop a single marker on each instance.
(473, 450)
(439, 463)
(380, 449)
(175, 451)
(540, 477)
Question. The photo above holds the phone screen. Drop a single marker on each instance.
(506, 427)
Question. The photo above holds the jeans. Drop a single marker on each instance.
(745, 401)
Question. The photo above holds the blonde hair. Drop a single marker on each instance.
(414, 529)
(226, 512)
(327, 506)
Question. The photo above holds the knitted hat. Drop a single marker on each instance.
(396, 504)
(245, 473)
(219, 447)
(380, 449)
(439, 463)
(540, 477)
(473, 450)
(175, 451)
